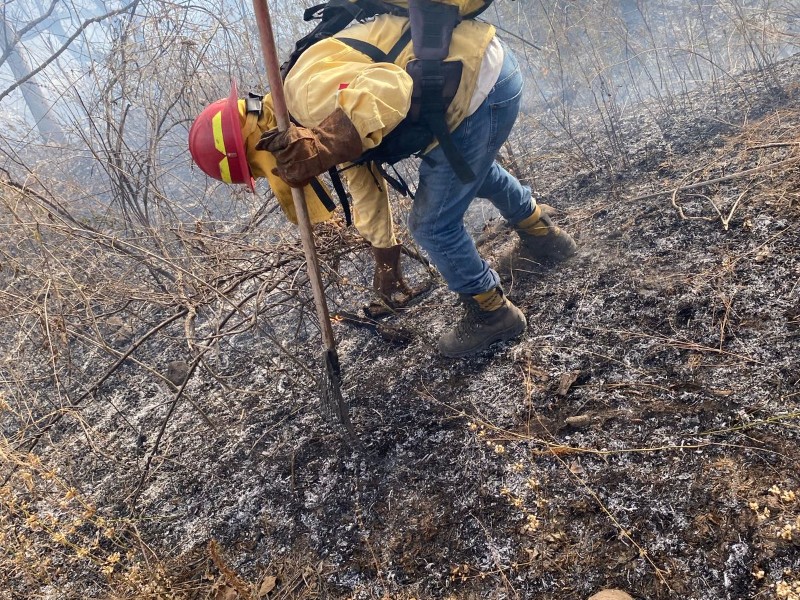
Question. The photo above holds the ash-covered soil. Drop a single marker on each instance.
(642, 435)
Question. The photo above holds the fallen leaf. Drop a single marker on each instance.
(579, 421)
(565, 382)
(267, 586)
(611, 595)
(226, 593)
(576, 468)
(763, 254)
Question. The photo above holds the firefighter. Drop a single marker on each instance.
(222, 142)
(346, 104)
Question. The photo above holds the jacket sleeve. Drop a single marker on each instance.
(262, 163)
(331, 75)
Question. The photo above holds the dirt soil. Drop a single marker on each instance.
(642, 435)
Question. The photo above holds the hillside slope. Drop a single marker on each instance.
(642, 435)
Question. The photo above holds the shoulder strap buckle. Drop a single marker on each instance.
(253, 103)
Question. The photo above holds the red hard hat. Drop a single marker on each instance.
(216, 144)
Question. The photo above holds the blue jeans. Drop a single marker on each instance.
(437, 215)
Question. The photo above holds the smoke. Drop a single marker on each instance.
(612, 54)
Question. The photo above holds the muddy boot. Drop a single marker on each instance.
(488, 318)
(389, 284)
(540, 239)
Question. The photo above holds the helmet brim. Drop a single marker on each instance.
(236, 131)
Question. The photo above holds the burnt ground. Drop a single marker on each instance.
(642, 435)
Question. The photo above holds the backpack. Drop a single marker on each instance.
(435, 81)
(335, 15)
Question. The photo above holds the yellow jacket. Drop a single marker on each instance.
(375, 96)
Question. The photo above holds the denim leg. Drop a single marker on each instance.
(507, 194)
(437, 215)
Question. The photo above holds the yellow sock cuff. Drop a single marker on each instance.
(491, 300)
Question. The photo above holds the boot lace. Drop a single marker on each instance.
(473, 316)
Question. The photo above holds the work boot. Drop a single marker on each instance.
(540, 239)
(489, 317)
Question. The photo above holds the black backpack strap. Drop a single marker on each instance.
(436, 81)
(438, 125)
(340, 191)
(376, 54)
(397, 182)
(435, 86)
(399, 46)
(326, 199)
(432, 25)
(322, 194)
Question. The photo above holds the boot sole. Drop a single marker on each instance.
(500, 336)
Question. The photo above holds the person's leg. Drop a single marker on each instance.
(512, 199)
(437, 216)
(372, 217)
(539, 237)
(437, 220)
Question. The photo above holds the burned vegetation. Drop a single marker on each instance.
(161, 436)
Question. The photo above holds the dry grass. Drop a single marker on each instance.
(98, 297)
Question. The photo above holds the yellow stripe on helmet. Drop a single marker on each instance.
(219, 144)
(225, 171)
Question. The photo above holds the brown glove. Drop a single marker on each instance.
(389, 284)
(388, 280)
(302, 154)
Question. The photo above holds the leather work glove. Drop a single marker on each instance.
(302, 154)
(388, 279)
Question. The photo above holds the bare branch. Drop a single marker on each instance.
(128, 7)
